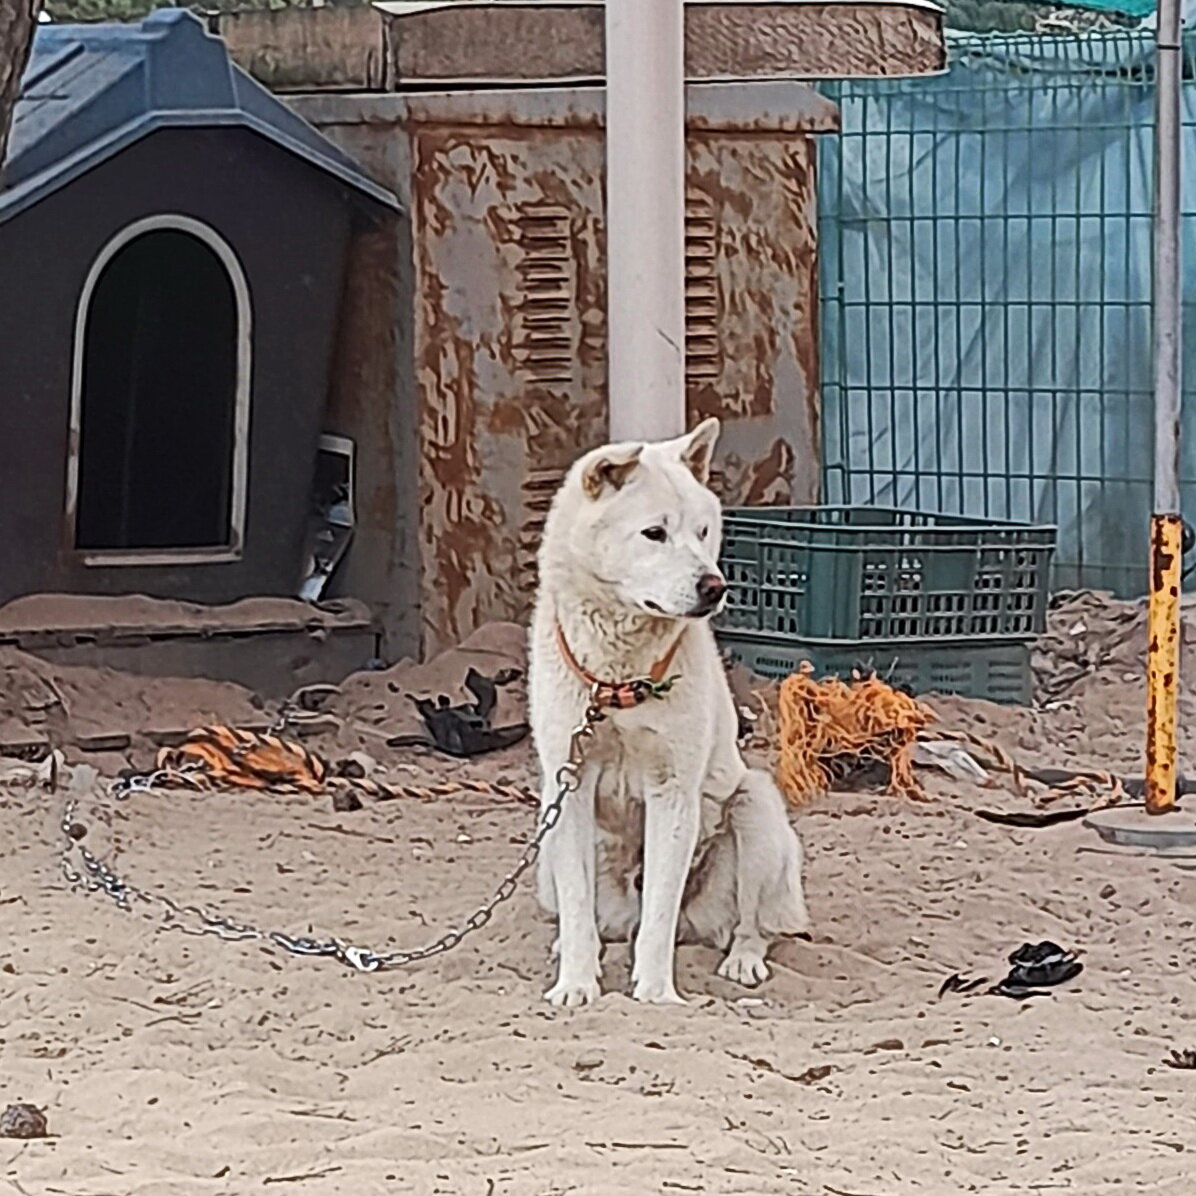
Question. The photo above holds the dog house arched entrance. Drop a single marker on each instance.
(160, 399)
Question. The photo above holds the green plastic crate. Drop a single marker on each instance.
(877, 573)
(996, 671)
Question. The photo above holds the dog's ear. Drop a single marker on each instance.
(697, 449)
(611, 467)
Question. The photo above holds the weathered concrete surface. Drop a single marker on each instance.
(390, 46)
(372, 399)
(473, 360)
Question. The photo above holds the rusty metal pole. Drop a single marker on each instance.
(645, 218)
(1166, 525)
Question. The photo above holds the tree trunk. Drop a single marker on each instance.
(18, 20)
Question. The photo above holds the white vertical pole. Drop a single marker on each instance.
(645, 218)
(1167, 314)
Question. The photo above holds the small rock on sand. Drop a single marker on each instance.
(22, 1121)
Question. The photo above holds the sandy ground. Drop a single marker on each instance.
(170, 1065)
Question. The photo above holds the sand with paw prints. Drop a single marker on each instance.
(178, 1066)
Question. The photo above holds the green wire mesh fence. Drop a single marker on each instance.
(985, 243)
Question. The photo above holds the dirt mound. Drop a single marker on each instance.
(382, 701)
(71, 704)
(35, 612)
(1089, 671)
(1089, 633)
(1090, 690)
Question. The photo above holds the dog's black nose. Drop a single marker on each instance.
(711, 589)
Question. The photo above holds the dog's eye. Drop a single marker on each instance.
(703, 533)
(656, 534)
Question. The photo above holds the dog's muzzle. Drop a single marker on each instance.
(712, 590)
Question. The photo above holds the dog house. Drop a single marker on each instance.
(173, 246)
(472, 363)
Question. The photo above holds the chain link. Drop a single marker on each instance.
(99, 876)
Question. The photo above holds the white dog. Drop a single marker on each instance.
(669, 832)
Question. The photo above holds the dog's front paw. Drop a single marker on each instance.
(657, 992)
(744, 965)
(570, 994)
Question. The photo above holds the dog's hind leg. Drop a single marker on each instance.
(751, 888)
(769, 898)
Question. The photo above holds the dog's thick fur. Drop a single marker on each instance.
(669, 834)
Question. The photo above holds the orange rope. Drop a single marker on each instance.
(829, 727)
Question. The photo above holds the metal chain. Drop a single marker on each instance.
(98, 876)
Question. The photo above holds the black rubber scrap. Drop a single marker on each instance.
(1033, 819)
(1039, 964)
(1035, 967)
(1135, 788)
(960, 983)
(465, 730)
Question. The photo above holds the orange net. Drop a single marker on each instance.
(830, 727)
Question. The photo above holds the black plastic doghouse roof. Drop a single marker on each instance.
(90, 91)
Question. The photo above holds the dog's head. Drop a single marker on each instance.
(643, 525)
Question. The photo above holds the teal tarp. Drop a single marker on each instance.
(986, 262)
(1129, 8)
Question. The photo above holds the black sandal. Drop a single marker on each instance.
(1036, 966)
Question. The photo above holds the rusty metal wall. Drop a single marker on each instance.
(495, 418)
(507, 329)
(760, 189)
(492, 416)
